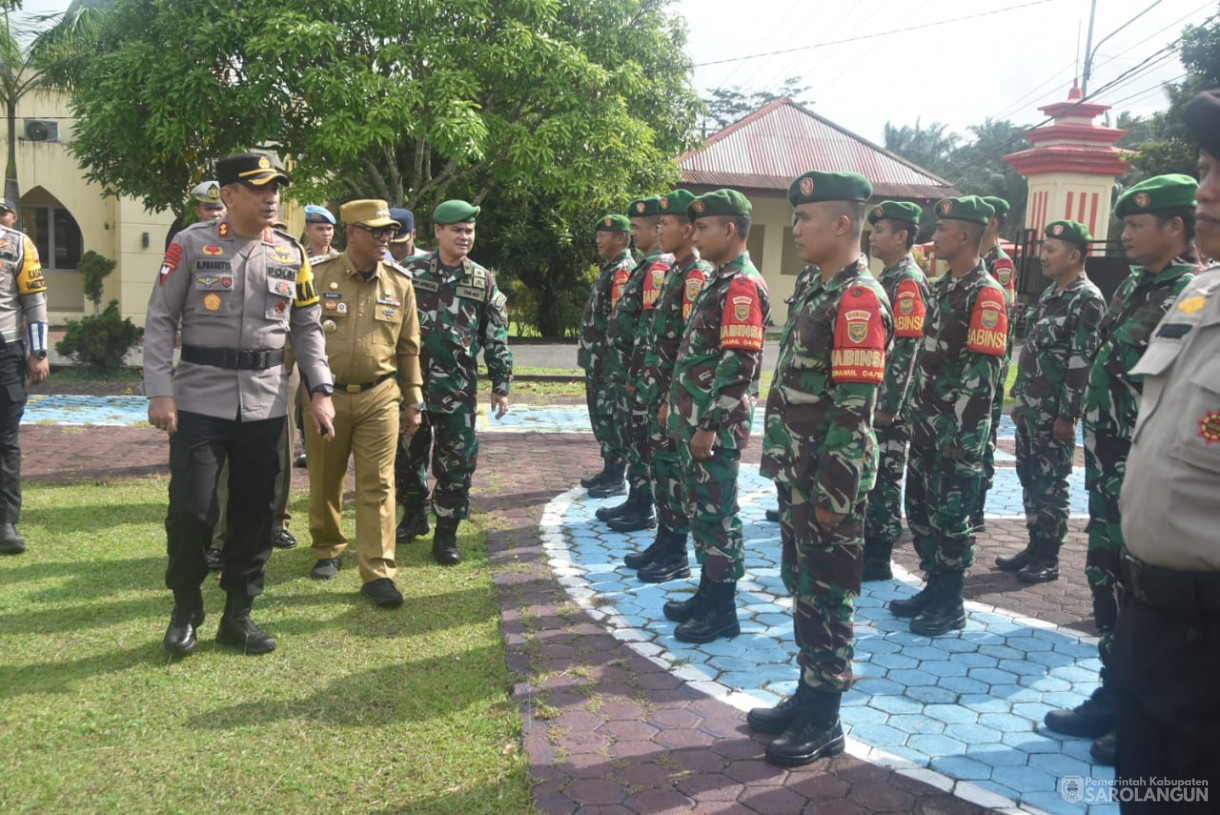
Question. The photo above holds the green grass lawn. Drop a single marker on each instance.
(359, 710)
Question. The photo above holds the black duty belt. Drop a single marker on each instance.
(1156, 586)
(342, 386)
(242, 359)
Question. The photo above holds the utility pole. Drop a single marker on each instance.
(1091, 52)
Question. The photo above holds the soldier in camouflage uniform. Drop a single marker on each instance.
(821, 451)
(1060, 341)
(614, 247)
(999, 266)
(460, 312)
(710, 408)
(1158, 230)
(666, 559)
(965, 336)
(895, 227)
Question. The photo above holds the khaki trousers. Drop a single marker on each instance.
(366, 426)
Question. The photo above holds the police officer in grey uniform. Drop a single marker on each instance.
(1167, 639)
(238, 288)
(23, 350)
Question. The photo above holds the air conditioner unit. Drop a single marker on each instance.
(41, 130)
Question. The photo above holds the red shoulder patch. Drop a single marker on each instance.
(618, 283)
(988, 323)
(696, 279)
(859, 349)
(654, 278)
(741, 325)
(1006, 275)
(173, 255)
(909, 310)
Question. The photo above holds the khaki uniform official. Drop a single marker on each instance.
(372, 334)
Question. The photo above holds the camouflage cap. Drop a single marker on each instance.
(676, 202)
(905, 211)
(967, 208)
(1202, 116)
(613, 223)
(1070, 231)
(644, 208)
(719, 202)
(1001, 207)
(817, 185)
(455, 211)
(1161, 192)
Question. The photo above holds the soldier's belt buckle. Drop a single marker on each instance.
(354, 388)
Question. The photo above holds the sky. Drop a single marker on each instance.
(1009, 58)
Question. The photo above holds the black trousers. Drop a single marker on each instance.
(12, 408)
(196, 454)
(1168, 683)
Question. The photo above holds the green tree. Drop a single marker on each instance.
(930, 147)
(724, 106)
(977, 167)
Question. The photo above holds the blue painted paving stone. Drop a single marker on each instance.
(962, 767)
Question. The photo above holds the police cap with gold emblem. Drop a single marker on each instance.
(967, 208)
(251, 169)
(455, 211)
(1157, 194)
(644, 208)
(1203, 119)
(1072, 232)
(207, 195)
(1001, 207)
(816, 185)
(719, 202)
(370, 212)
(613, 223)
(907, 212)
(675, 203)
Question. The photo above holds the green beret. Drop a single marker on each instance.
(644, 208)
(676, 202)
(816, 185)
(967, 208)
(1202, 117)
(613, 223)
(454, 212)
(1001, 207)
(719, 202)
(1070, 231)
(905, 211)
(1173, 191)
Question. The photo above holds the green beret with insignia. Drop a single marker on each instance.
(719, 202)
(644, 208)
(816, 185)
(905, 211)
(613, 223)
(455, 212)
(1070, 231)
(1162, 192)
(1001, 207)
(966, 208)
(676, 202)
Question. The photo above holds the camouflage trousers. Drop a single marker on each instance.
(941, 492)
(1043, 467)
(1105, 463)
(601, 399)
(666, 466)
(709, 492)
(997, 413)
(449, 440)
(883, 521)
(822, 571)
(632, 419)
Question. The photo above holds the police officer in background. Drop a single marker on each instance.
(1167, 641)
(238, 289)
(23, 328)
(319, 232)
(208, 205)
(402, 246)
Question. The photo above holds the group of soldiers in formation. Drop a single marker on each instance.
(878, 377)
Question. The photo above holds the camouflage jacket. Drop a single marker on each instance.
(591, 355)
(682, 286)
(624, 332)
(460, 311)
(907, 289)
(1111, 400)
(965, 336)
(1060, 341)
(715, 378)
(819, 427)
(1000, 267)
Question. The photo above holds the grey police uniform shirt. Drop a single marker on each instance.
(22, 288)
(1171, 493)
(231, 292)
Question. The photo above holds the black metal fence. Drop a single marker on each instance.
(1106, 266)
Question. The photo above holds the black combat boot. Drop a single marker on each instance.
(239, 631)
(776, 719)
(414, 523)
(183, 633)
(10, 542)
(945, 613)
(1105, 749)
(911, 606)
(612, 484)
(610, 513)
(638, 560)
(814, 732)
(1043, 567)
(594, 480)
(670, 564)
(1093, 718)
(1017, 562)
(715, 618)
(682, 610)
(877, 560)
(636, 517)
(444, 542)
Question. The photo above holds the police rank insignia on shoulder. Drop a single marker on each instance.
(1192, 304)
(909, 310)
(741, 324)
(859, 345)
(988, 323)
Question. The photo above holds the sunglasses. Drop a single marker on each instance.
(378, 233)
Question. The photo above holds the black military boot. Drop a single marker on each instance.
(776, 719)
(877, 560)
(10, 542)
(239, 631)
(1043, 567)
(636, 517)
(444, 542)
(670, 564)
(945, 613)
(1105, 749)
(638, 560)
(1092, 719)
(594, 480)
(682, 610)
(414, 524)
(911, 606)
(183, 633)
(609, 513)
(814, 732)
(1017, 562)
(715, 618)
(612, 484)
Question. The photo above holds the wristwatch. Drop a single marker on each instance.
(325, 389)
(42, 354)
(420, 406)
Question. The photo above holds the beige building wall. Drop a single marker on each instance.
(1075, 196)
